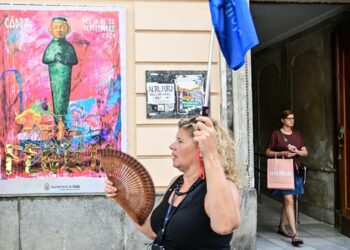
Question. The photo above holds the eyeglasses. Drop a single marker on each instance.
(289, 118)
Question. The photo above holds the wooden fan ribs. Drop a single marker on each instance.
(135, 193)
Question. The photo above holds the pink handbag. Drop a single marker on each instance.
(280, 174)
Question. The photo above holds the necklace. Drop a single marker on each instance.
(179, 184)
(284, 135)
(285, 138)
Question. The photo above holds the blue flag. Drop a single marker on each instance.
(234, 29)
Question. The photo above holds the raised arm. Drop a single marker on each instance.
(222, 201)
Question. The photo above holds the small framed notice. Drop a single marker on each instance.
(174, 94)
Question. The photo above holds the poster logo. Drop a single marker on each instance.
(47, 187)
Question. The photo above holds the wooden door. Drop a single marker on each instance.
(343, 124)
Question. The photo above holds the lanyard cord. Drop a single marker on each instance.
(171, 209)
(169, 213)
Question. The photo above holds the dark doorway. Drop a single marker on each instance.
(343, 122)
(297, 66)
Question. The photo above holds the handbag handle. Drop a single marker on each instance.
(276, 156)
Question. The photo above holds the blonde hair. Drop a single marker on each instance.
(225, 147)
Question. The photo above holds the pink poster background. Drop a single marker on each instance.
(96, 87)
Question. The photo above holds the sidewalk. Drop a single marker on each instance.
(316, 234)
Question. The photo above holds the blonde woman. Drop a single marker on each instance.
(196, 213)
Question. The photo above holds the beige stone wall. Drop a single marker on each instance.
(160, 35)
(169, 35)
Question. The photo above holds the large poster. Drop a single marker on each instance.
(62, 96)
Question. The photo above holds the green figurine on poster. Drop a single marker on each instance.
(60, 56)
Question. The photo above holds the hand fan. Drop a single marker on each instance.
(135, 193)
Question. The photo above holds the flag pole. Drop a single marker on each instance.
(205, 110)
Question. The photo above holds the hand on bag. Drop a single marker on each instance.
(110, 190)
(289, 154)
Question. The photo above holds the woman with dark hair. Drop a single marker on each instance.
(285, 142)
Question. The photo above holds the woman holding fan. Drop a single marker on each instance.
(197, 213)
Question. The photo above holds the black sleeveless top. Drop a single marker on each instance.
(189, 228)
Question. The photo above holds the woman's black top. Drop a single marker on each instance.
(189, 227)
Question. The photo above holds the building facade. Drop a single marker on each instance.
(160, 35)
